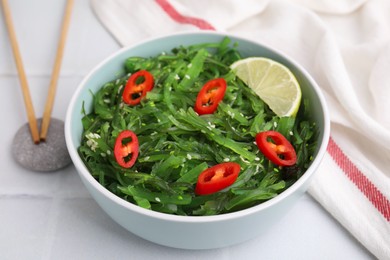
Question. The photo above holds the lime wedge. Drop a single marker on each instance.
(273, 82)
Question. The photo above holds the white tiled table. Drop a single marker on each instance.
(52, 216)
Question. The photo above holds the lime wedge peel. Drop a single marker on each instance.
(273, 82)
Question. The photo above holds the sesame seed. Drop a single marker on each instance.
(231, 114)
(226, 159)
(242, 159)
(187, 76)
(157, 199)
(120, 88)
(211, 125)
(172, 207)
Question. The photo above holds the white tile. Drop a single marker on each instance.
(23, 226)
(83, 225)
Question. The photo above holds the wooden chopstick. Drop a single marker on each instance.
(22, 75)
(56, 71)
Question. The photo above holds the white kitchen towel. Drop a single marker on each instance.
(345, 45)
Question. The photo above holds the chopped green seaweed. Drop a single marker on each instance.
(176, 144)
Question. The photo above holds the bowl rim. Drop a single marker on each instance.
(83, 171)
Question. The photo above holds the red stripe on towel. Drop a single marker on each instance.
(175, 15)
(372, 193)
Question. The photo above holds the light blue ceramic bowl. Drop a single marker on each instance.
(181, 231)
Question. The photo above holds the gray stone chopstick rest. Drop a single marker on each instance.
(47, 156)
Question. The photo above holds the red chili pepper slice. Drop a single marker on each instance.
(278, 150)
(209, 96)
(137, 86)
(126, 148)
(217, 178)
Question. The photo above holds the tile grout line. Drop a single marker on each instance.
(42, 75)
(52, 222)
(39, 196)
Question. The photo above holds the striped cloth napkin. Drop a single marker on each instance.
(345, 45)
